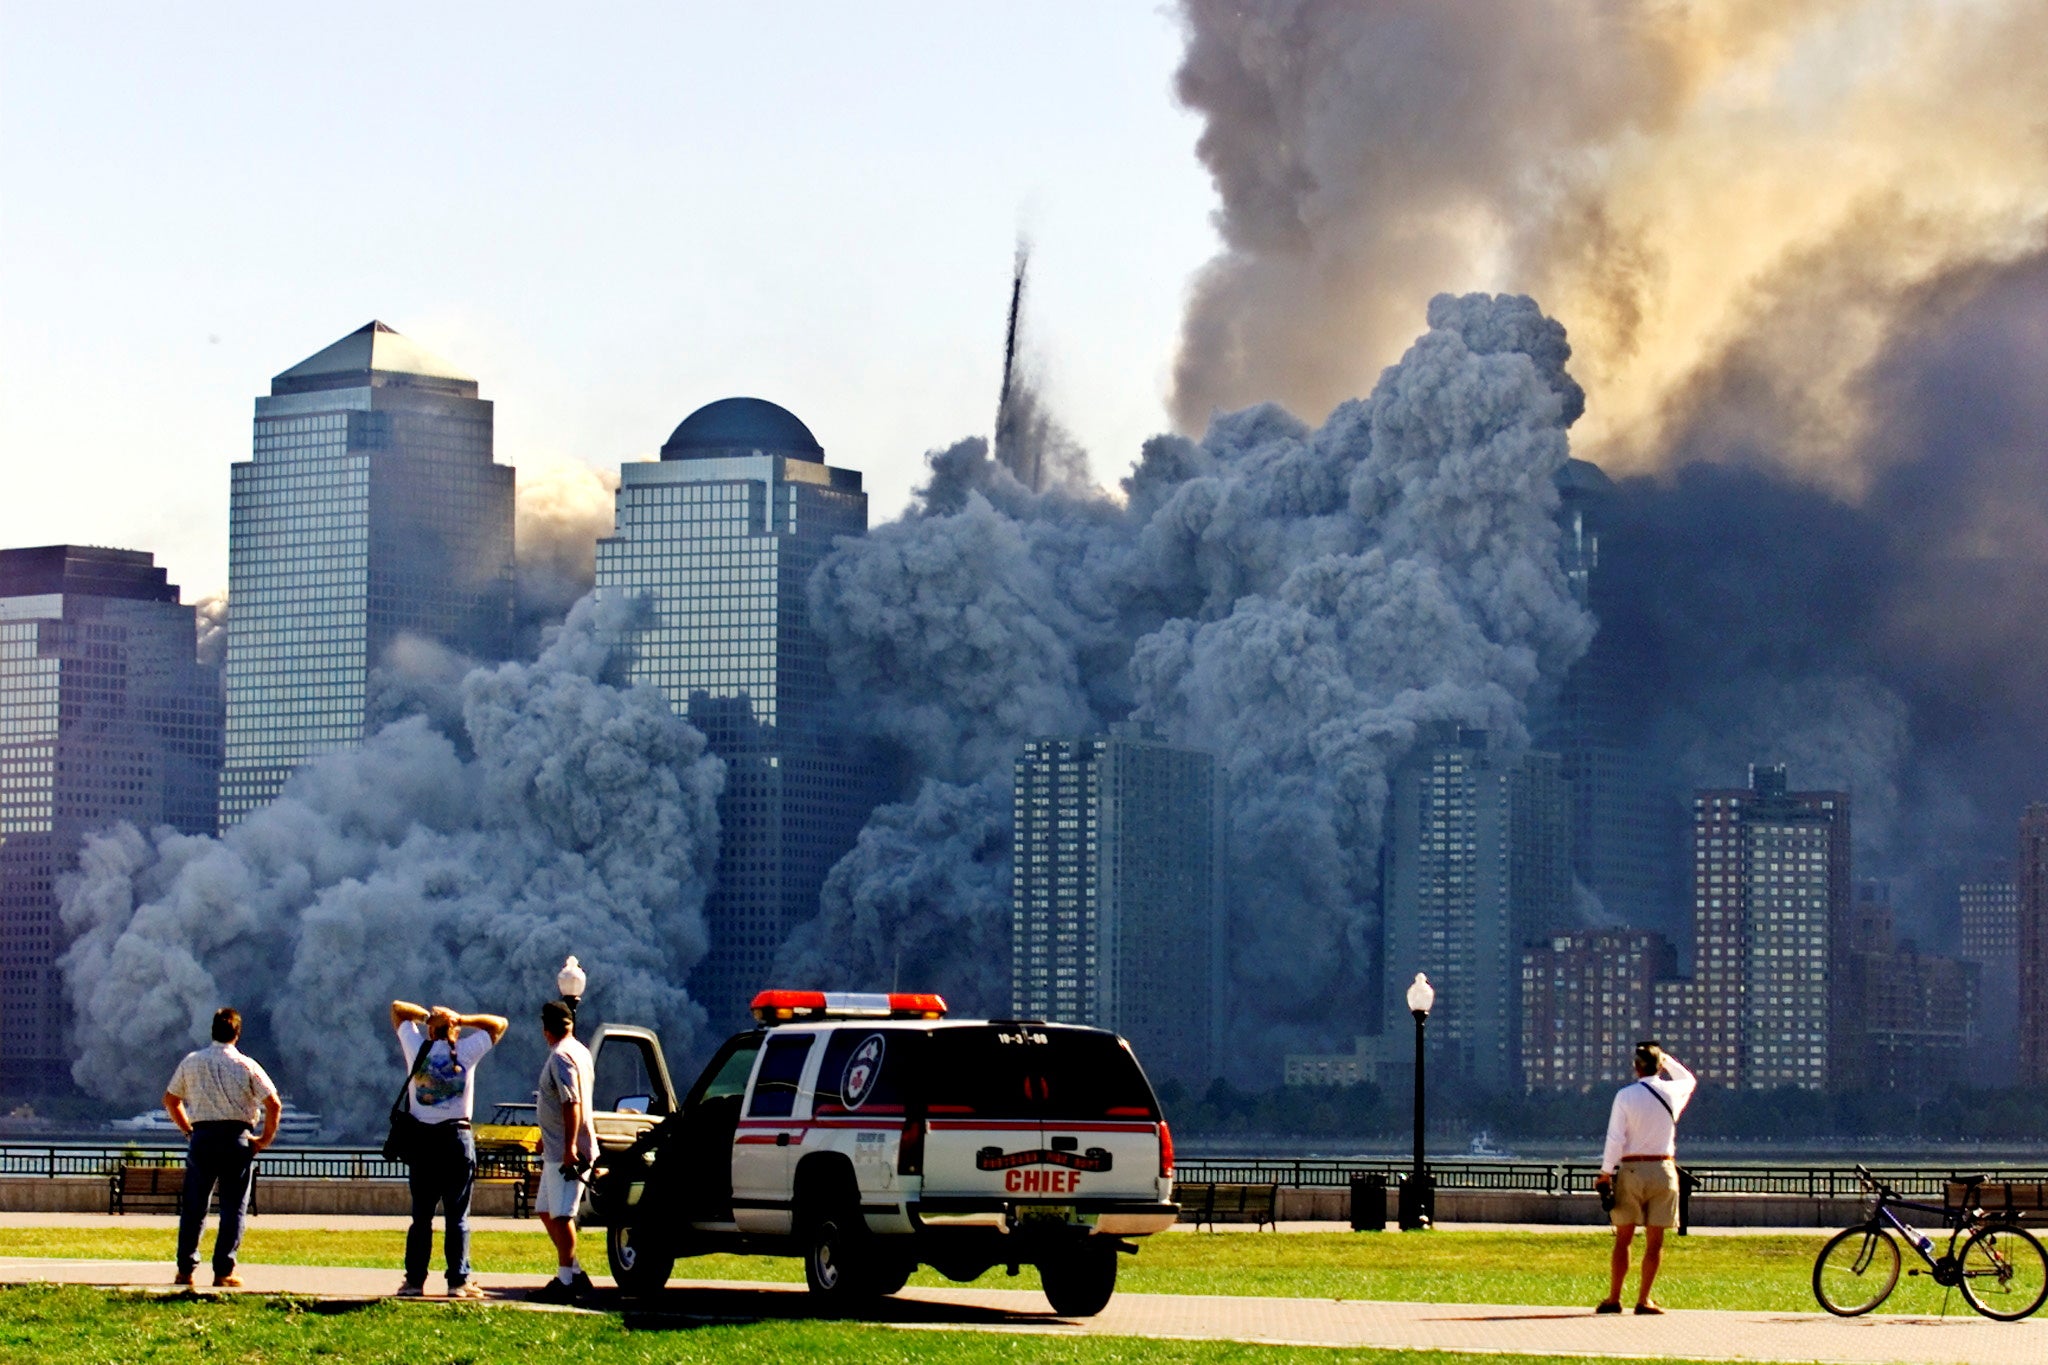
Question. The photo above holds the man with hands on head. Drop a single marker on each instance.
(1639, 1169)
(214, 1097)
(442, 1049)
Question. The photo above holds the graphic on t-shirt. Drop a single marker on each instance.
(442, 1079)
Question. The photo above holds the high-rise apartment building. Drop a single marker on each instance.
(1988, 905)
(370, 509)
(1907, 1018)
(1770, 909)
(718, 539)
(1478, 865)
(2031, 873)
(1587, 1000)
(1116, 920)
(105, 715)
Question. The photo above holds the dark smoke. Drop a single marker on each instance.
(552, 814)
(1300, 601)
(1889, 644)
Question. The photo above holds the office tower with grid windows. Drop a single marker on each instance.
(370, 509)
(1586, 1003)
(1988, 906)
(718, 539)
(2031, 875)
(105, 715)
(1115, 917)
(1478, 865)
(1771, 919)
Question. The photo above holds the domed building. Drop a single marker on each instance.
(720, 536)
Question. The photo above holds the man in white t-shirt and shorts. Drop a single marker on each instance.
(1639, 1169)
(568, 1144)
(441, 1050)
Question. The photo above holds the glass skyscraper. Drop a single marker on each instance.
(105, 714)
(1115, 917)
(369, 509)
(718, 538)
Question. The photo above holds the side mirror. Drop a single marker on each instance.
(633, 1104)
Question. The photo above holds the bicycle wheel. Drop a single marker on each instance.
(1855, 1271)
(2005, 1272)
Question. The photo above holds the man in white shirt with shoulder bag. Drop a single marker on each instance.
(441, 1050)
(1638, 1179)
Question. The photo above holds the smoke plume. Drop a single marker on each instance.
(1297, 600)
(210, 616)
(562, 509)
(1888, 642)
(557, 814)
(1734, 208)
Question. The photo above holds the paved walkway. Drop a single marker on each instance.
(368, 1222)
(1679, 1335)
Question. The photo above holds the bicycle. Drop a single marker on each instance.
(2000, 1267)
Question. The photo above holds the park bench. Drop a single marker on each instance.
(146, 1189)
(1212, 1202)
(155, 1189)
(2002, 1199)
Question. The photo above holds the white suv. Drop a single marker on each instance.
(869, 1133)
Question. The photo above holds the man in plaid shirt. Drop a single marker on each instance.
(216, 1097)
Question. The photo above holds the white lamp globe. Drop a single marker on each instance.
(571, 980)
(1421, 995)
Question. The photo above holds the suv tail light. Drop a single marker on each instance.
(1165, 1151)
(910, 1152)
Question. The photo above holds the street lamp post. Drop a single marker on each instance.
(570, 981)
(1418, 1191)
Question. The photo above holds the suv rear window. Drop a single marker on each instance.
(1031, 1071)
(867, 1069)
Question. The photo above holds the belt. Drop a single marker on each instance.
(1666, 1157)
(224, 1125)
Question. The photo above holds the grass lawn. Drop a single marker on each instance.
(77, 1326)
(1761, 1273)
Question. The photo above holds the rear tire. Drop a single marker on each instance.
(839, 1260)
(2005, 1272)
(641, 1262)
(1080, 1282)
(1856, 1271)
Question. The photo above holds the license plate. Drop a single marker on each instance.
(1044, 1213)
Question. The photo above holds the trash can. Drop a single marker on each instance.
(1368, 1202)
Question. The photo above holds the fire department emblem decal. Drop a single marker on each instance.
(857, 1082)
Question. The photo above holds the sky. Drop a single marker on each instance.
(609, 221)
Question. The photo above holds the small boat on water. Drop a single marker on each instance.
(1484, 1149)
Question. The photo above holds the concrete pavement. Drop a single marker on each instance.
(1679, 1335)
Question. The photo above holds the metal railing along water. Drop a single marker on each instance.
(1916, 1180)
(279, 1163)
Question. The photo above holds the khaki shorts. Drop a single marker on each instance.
(1646, 1194)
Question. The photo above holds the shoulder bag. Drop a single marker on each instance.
(402, 1142)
